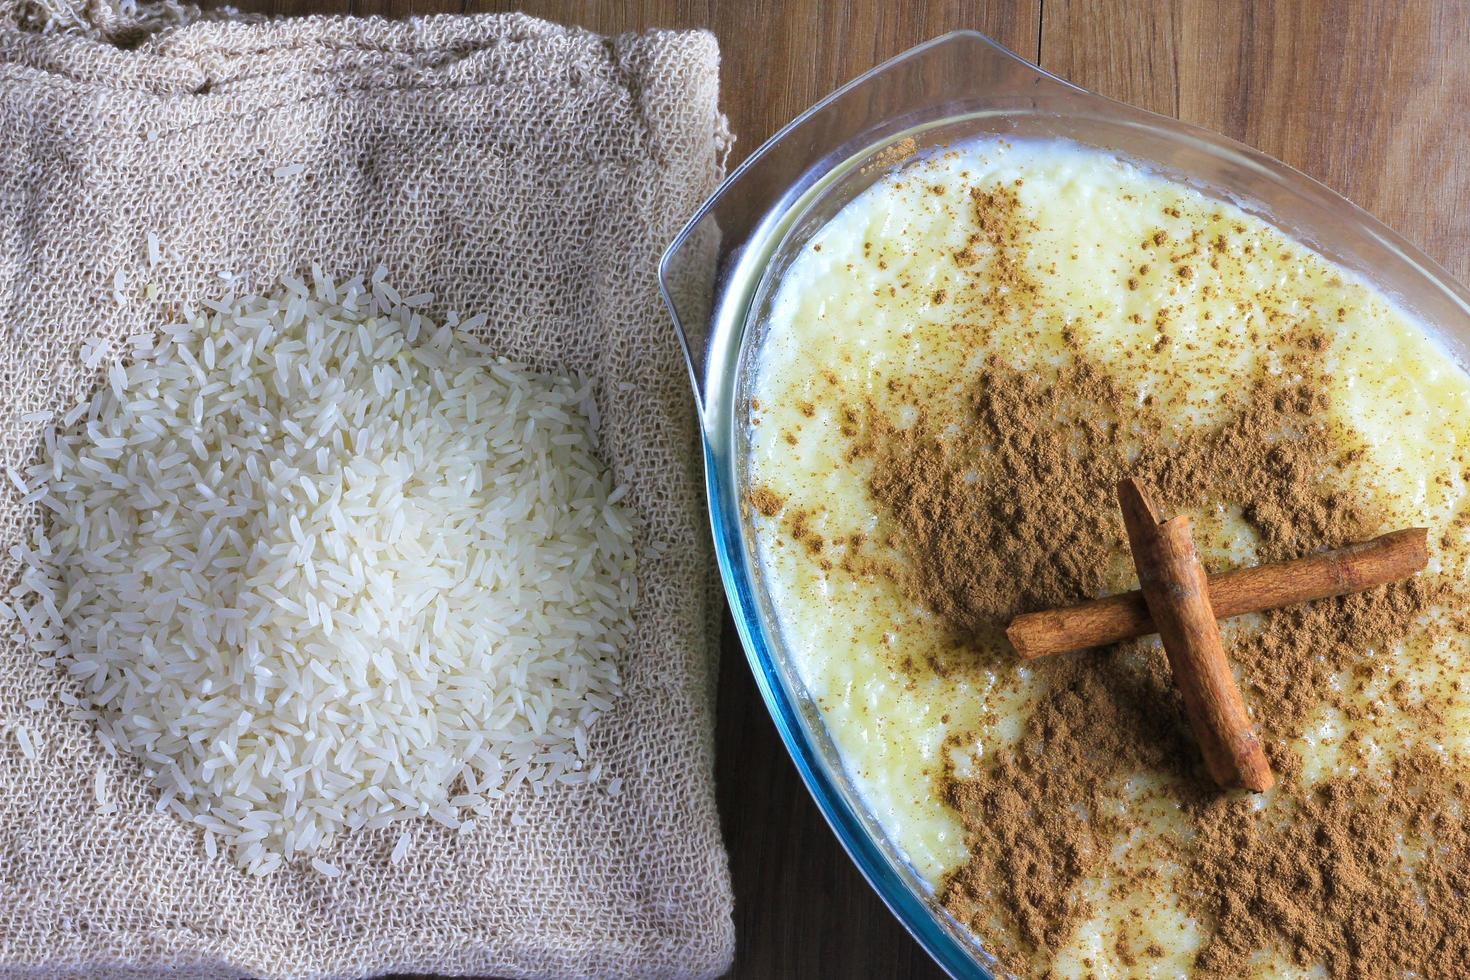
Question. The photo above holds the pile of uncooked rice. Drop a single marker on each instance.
(322, 564)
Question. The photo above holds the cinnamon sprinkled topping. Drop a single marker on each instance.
(996, 498)
(1012, 511)
(1330, 885)
(998, 249)
(766, 501)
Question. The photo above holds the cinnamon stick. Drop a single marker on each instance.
(1176, 591)
(1354, 568)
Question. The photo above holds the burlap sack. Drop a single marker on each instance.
(508, 166)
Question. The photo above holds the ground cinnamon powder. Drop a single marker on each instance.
(1013, 510)
(1001, 501)
(1327, 885)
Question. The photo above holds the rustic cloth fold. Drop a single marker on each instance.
(510, 167)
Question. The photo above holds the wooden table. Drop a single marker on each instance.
(1372, 97)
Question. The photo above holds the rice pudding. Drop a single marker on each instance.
(953, 374)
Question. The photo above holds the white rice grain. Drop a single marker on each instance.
(316, 559)
(322, 867)
(23, 739)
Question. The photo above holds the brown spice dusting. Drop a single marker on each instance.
(901, 151)
(766, 501)
(798, 525)
(1329, 885)
(1001, 501)
(1030, 845)
(1012, 510)
(1004, 282)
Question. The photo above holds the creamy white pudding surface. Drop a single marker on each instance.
(952, 375)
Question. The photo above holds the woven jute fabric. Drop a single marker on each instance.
(510, 167)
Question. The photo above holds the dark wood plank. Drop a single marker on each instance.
(780, 57)
(1367, 97)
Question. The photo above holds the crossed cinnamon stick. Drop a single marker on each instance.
(1180, 603)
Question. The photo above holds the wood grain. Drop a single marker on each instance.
(1370, 97)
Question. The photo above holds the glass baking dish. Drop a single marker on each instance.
(719, 273)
